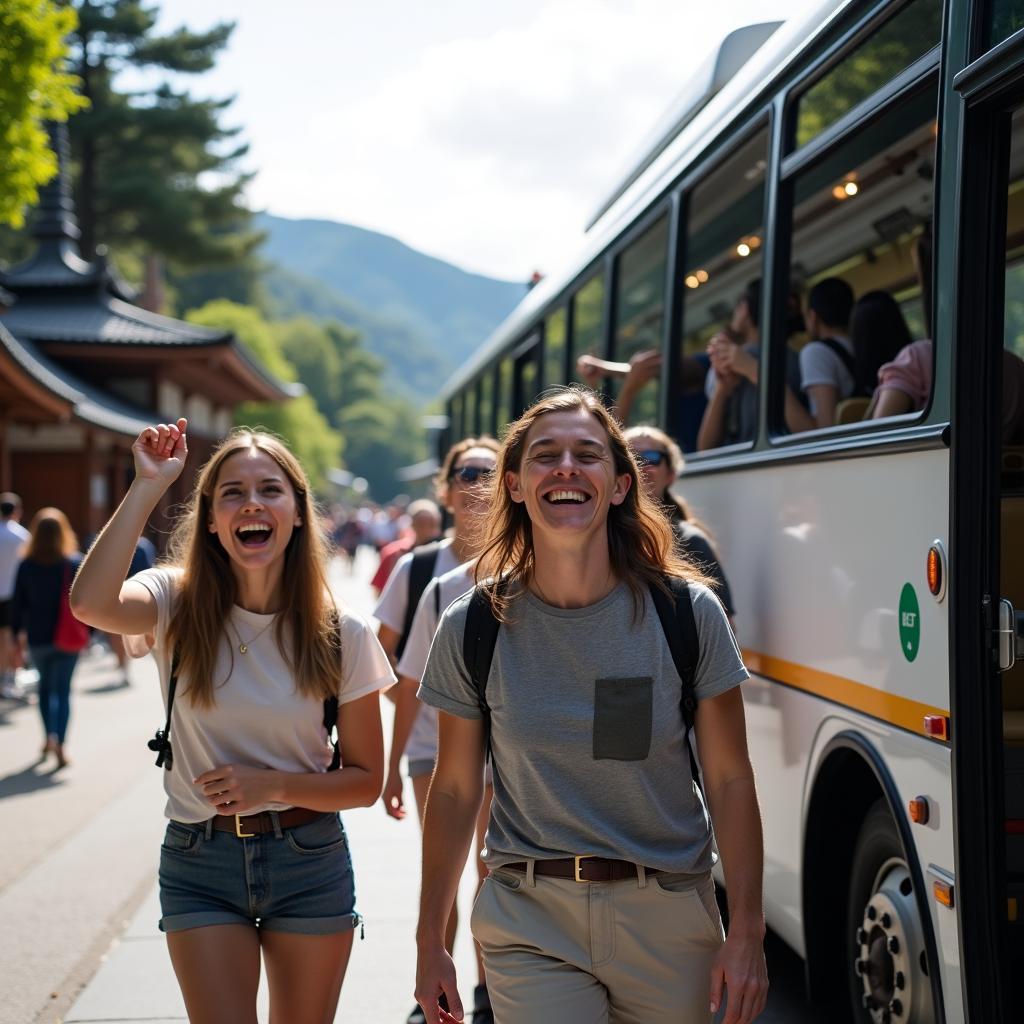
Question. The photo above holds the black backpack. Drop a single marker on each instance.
(421, 572)
(677, 622)
(160, 744)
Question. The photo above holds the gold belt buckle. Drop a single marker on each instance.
(238, 829)
(576, 864)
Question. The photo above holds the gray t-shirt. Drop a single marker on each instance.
(586, 731)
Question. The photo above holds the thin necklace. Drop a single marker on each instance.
(243, 647)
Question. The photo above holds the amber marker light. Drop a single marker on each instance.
(934, 572)
(918, 809)
(943, 892)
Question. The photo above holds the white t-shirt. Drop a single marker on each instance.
(820, 365)
(258, 718)
(390, 610)
(12, 538)
(422, 742)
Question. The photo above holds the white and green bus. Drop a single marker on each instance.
(875, 564)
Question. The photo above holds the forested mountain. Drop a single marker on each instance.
(420, 315)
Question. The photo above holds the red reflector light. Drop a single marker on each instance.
(934, 571)
(919, 810)
(936, 726)
(1015, 827)
(943, 893)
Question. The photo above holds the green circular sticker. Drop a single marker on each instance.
(910, 623)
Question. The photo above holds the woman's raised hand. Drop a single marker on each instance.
(160, 452)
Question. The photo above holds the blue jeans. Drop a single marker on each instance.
(55, 670)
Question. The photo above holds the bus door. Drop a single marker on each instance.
(986, 572)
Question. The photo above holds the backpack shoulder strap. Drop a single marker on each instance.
(842, 353)
(331, 712)
(421, 572)
(478, 642)
(680, 629)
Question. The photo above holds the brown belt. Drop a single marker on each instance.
(245, 825)
(584, 868)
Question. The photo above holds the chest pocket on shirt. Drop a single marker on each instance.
(623, 715)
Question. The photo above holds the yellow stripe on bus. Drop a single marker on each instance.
(888, 707)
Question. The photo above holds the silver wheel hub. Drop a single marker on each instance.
(890, 958)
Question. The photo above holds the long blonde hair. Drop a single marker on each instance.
(641, 544)
(51, 538)
(208, 589)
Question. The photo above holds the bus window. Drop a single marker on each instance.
(908, 35)
(526, 373)
(504, 404)
(861, 244)
(469, 420)
(639, 318)
(721, 284)
(455, 418)
(554, 348)
(588, 322)
(486, 401)
(1004, 18)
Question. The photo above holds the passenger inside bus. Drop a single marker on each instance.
(827, 365)
(731, 383)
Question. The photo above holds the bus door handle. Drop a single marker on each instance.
(1009, 636)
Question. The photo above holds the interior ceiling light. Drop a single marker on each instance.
(851, 188)
(743, 249)
(702, 276)
(692, 281)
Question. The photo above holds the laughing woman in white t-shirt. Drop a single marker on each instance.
(255, 859)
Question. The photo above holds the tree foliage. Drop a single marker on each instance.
(34, 88)
(157, 169)
(297, 420)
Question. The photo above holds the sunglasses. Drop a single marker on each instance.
(651, 457)
(470, 474)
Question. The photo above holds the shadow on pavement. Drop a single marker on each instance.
(29, 780)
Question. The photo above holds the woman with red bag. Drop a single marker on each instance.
(41, 618)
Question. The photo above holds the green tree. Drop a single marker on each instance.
(156, 168)
(34, 88)
(298, 420)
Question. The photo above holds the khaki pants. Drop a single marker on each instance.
(628, 952)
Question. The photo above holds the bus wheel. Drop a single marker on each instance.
(888, 969)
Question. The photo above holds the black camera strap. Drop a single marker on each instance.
(161, 742)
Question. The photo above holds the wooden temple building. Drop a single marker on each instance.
(82, 370)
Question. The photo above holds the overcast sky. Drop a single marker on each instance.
(481, 131)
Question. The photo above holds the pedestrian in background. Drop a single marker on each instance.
(39, 608)
(12, 539)
(255, 859)
(599, 904)
(661, 462)
(424, 526)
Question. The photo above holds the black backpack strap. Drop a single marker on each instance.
(478, 641)
(844, 355)
(160, 744)
(331, 710)
(421, 572)
(680, 629)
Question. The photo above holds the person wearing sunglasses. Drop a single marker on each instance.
(463, 478)
(662, 461)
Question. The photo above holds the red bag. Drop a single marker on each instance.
(70, 636)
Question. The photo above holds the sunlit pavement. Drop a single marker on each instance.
(78, 906)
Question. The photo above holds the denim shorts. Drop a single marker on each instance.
(293, 880)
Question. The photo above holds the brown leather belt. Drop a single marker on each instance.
(246, 825)
(584, 868)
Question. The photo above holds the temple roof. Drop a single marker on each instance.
(87, 403)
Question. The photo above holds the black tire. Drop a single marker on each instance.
(878, 851)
